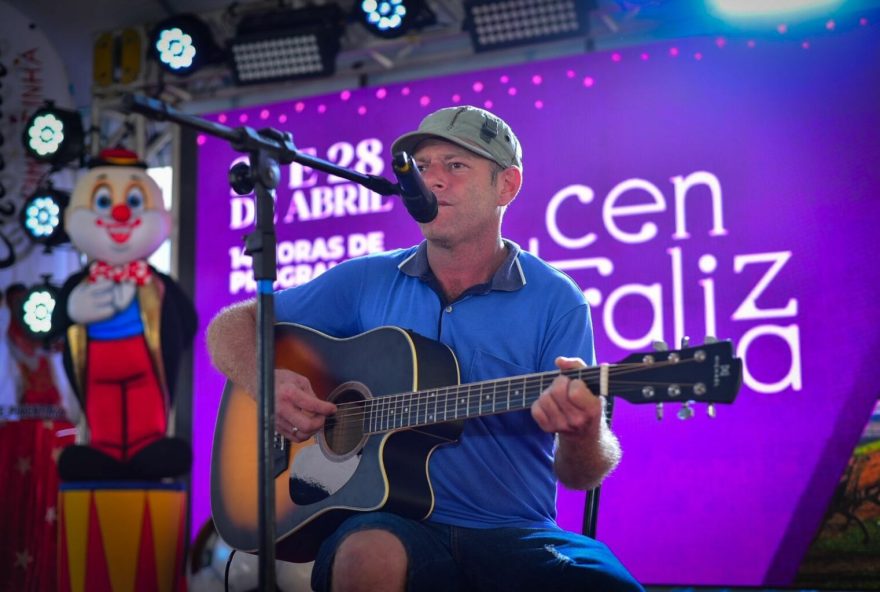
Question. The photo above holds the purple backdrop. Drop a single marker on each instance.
(707, 186)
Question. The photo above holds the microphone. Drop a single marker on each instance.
(419, 201)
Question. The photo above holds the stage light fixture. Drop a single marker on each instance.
(392, 18)
(762, 9)
(54, 135)
(35, 311)
(182, 44)
(495, 24)
(42, 216)
(286, 45)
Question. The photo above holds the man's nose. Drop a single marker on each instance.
(432, 176)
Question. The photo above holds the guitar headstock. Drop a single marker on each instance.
(707, 373)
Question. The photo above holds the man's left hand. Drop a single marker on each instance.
(567, 406)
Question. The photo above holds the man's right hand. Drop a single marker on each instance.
(299, 413)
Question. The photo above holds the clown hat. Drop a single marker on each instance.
(117, 157)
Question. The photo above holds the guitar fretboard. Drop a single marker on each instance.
(466, 401)
(706, 374)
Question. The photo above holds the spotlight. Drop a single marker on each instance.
(285, 45)
(42, 217)
(393, 18)
(497, 24)
(182, 44)
(53, 135)
(35, 309)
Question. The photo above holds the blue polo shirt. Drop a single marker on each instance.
(501, 471)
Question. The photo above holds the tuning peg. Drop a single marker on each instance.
(685, 341)
(660, 346)
(659, 411)
(686, 411)
(710, 339)
(710, 411)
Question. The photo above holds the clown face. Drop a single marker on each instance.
(116, 215)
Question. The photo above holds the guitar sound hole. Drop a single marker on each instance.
(344, 431)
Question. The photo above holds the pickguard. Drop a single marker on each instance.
(314, 477)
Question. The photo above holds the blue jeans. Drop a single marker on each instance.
(445, 558)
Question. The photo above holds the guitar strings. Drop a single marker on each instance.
(386, 412)
(530, 382)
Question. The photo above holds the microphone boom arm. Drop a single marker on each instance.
(246, 139)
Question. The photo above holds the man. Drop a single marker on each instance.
(504, 313)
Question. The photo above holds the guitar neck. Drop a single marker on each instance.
(466, 401)
(706, 374)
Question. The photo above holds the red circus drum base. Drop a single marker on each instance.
(121, 537)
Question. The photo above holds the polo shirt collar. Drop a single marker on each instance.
(509, 276)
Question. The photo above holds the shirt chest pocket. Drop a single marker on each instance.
(486, 366)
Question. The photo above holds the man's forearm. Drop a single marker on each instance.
(231, 340)
(583, 462)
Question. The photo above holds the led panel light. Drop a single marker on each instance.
(288, 45)
(269, 58)
(496, 24)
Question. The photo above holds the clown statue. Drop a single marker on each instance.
(126, 326)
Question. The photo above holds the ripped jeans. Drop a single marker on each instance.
(445, 558)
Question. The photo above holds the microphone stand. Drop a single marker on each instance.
(266, 149)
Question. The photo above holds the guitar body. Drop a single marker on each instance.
(344, 470)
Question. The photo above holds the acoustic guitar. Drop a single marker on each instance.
(373, 453)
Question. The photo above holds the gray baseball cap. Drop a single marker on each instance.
(472, 128)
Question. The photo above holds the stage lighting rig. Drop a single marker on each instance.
(287, 44)
(183, 44)
(54, 135)
(393, 18)
(42, 217)
(498, 24)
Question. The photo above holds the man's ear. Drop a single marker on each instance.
(510, 182)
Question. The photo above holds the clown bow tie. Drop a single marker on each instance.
(135, 271)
